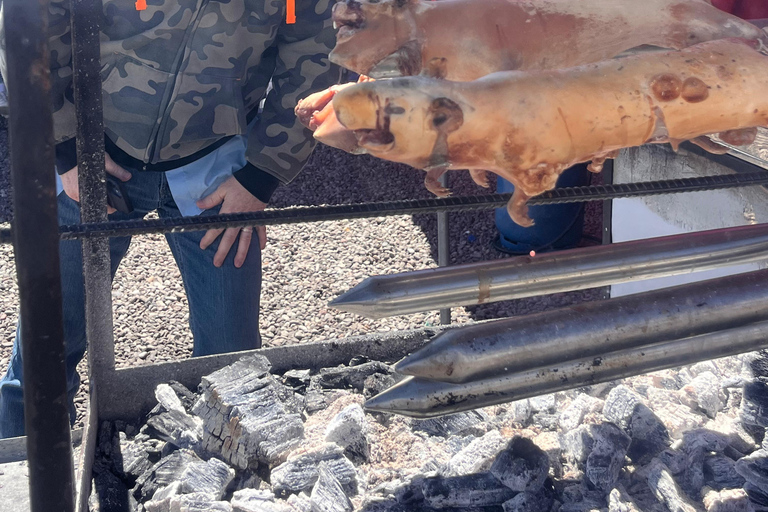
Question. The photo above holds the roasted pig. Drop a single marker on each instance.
(386, 38)
(530, 126)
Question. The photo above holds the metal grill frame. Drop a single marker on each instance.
(50, 463)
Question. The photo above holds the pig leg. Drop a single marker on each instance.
(743, 137)
(480, 177)
(597, 163)
(707, 144)
(434, 186)
(518, 209)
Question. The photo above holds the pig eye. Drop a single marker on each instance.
(392, 109)
(439, 119)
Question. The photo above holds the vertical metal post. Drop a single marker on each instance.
(85, 19)
(86, 56)
(443, 248)
(607, 175)
(36, 249)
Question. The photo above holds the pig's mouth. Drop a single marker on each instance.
(347, 18)
(378, 139)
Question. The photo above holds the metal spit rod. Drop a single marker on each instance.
(591, 329)
(575, 269)
(36, 248)
(423, 398)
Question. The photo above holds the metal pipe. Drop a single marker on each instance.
(86, 55)
(443, 247)
(421, 398)
(591, 329)
(36, 250)
(575, 269)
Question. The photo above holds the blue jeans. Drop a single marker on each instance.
(223, 302)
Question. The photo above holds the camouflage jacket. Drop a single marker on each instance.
(183, 74)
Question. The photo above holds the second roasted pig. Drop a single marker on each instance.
(386, 38)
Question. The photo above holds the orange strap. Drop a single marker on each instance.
(290, 11)
(141, 5)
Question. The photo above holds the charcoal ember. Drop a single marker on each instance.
(297, 379)
(110, 493)
(754, 404)
(197, 502)
(544, 403)
(327, 494)
(344, 377)
(248, 416)
(665, 488)
(174, 424)
(377, 383)
(704, 390)
(187, 397)
(522, 466)
(695, 445)
(530, 502)
(477, 490)
(253, 500)
(412, 492)
(211, 477)
(757, 495)
(549, 442)
(299, 503)
(169, 491)
(315, 400)
(620, 501)
(300, 471)
(577, 444)
(572, 416)
(588, 505)
(168, 470)
(626, 409)
(729, 500)
(246, 480)
(546, 421)
(349, 429)
(606, 459)
(738, 437)
(675, 460)
(754, 468)
(462, 423)
(477, 456)
(517, 412)
(133, 461)
(455, 444)
(620, 405)
(678, 419)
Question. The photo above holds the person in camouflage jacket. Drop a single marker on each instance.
(183, 74)
(189, 87)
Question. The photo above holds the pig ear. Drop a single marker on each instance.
(447, 115)
(437, 67)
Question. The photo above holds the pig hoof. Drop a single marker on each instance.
(480, 177)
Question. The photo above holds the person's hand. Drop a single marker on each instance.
(70, 183)
(233, 198)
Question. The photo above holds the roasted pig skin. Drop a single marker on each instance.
(528, 127)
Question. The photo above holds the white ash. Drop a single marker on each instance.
(615, 448)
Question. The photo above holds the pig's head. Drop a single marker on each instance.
(378, 38)
(404, 120)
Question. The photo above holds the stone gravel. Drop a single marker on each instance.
(305, 265)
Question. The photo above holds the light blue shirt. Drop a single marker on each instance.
(194, 181)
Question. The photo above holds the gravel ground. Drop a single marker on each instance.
(305, 266)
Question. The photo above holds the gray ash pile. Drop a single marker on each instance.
(678, 440)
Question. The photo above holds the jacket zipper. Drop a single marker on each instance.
(171, 91)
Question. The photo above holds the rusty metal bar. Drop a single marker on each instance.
(36, 248)
(86, 18)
